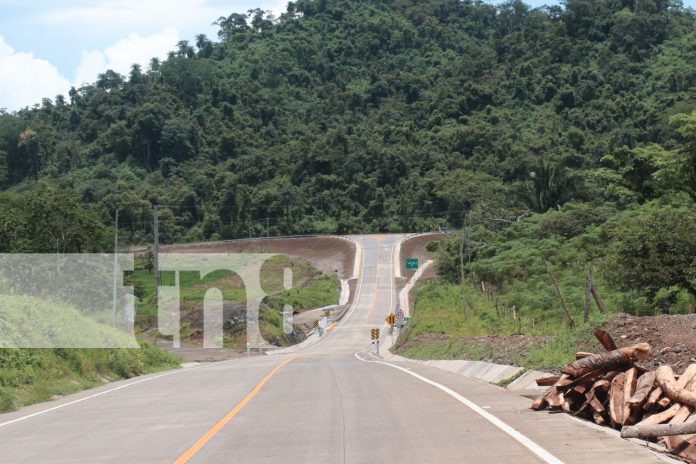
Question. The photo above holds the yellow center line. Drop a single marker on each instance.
(188, 454)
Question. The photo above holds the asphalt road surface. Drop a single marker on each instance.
(333, 402)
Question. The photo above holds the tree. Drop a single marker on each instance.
(149, 260)
(676, 169)
(548, 187)
(204, 45)
(657, 251)
(57, 222)
(231, 25)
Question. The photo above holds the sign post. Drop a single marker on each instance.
(375, 339)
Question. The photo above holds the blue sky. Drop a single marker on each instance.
(46, 45)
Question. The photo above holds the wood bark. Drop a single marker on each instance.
(618, 359)
(605, 339)
(629, 389)
(672, 389)
(653, 398)
(616, 399)
(645, 384)
(660, 430)
(547, 381)
(661, 417)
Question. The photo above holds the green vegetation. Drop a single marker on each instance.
(311, 289)
(343, 116)
(563, 133)
(28, 376)
(29, 321)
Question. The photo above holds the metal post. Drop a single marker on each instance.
(156, 251)
(113, 296)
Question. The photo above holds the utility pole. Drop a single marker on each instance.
(156, 250)
(268, 234)
(461, 266)
(114, 292)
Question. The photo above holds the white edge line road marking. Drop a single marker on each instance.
(522, 439)
(64, 405)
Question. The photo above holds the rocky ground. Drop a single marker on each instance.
(673, 338)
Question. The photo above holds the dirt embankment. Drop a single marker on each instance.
(331, 255)
(416, 248)
(673, 338)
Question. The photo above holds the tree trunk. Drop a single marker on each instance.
(655, 431)
(614, 360)
(672, 390)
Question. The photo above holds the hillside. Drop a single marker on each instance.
(345, 116)
(566, 134)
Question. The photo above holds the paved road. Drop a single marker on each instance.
(330, 403)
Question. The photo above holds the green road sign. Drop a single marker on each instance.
(411, 263)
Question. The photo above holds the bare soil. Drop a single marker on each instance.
(416, 248)
(673, 338)
(331, 255)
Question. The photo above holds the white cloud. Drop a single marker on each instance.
(121, 55)
(25, 79)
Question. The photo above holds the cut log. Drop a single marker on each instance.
(555, 399)
(616, 407)
(682, 415)
(548, 381)
(661, 417)
(676, 443)
(664, 402)
(653, 398)
(688, 376)
(655, 431)
(599, 418)
(597, 405)
(644, 385)
(586, 379)
(672, 389)
(629, 389)
(605, 339)
(618, 359)
(542, 400)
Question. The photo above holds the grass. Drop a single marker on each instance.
(29, 376)
(440, 329)
(505, 382)
(310, 289)
(31, 321)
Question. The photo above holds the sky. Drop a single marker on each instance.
(47, 46)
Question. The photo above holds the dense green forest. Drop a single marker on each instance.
(565, 132)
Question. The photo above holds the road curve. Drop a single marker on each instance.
(324, 404)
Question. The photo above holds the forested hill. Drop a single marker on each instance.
(354, 115)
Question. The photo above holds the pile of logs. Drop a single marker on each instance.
(609, 389)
